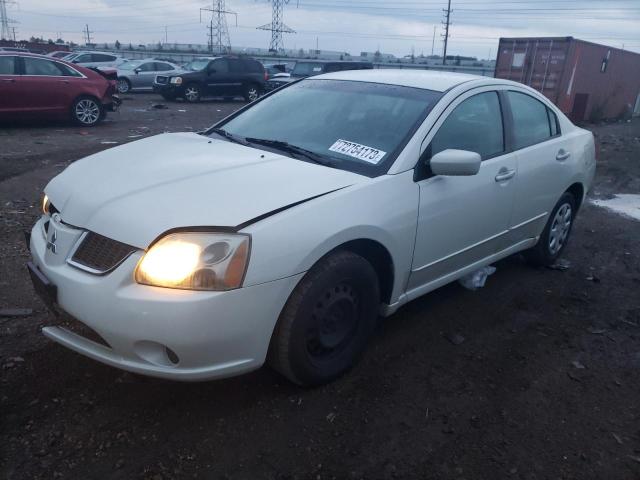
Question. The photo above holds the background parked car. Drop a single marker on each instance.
(35, 86)
(95, 59)
(140, 74)
(309, 68)
(58, 54)
(214, 77)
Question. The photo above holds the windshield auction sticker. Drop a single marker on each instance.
(355, 150)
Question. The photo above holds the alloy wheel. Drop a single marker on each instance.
(123, 86)
(560, 228)
(87, 111)
(253, 94)
(192, 94)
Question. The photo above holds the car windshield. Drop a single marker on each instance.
(197, 64)
(355, 126)
(306, 69)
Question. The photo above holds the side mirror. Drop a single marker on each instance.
(137, 70)
(455, 163)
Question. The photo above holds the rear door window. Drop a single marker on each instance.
(475, 125)
(163, 67)
(101, 57)
(41, 67)
(7, 65)
(147, 67)
(531, 123)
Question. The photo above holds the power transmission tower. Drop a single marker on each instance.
(87, 35)
(446, 22)
(277, 26)
(219, 40)
(5, 20)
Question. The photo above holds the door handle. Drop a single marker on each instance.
(505, 174)
(562, 155)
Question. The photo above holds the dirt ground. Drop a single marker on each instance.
(541, 382)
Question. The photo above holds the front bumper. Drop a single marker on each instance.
(211, 334)
(168, 89)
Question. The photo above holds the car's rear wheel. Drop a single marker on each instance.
(86, 111)
(124, 85)
(556, 233)
(192, 93)
(327, 320)
(252, 92)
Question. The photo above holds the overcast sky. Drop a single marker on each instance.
(344, 25)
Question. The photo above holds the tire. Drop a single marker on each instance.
(192, 93)
(168, 97)
(327, 320)
(86, 111)
(555, 235)
(252, 92)
(124, 85)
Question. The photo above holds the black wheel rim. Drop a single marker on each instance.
(335, 319)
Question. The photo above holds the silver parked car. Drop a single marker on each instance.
(140, 74)
(95, 59)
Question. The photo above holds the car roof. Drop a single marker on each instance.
(428, 79)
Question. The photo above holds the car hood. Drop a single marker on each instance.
(135, 192)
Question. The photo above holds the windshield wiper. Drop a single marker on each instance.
(292, 149)
(229, 136)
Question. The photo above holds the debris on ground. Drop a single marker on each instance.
(577, 364)
(159, 106)
(596, 330)
(560, 265)
(454, 338)
(108, 142)
(593, 278)
(16, 312)
(476, 279)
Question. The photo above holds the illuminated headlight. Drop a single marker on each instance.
(45, 205)
(196, 261)
(176, 80)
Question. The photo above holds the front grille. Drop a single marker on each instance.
(162, 80)
(99, 254)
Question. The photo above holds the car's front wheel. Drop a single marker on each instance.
(124, 85)
(192, 93)
(86, 111)
(556, 233)
(327, 320)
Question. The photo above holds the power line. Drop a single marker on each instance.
(446, 23)
(219, 39)
(5, 20)
(87, 35)
(277, 26)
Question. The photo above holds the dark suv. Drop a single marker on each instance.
(214, 77)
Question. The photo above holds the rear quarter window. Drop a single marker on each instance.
(531, 123)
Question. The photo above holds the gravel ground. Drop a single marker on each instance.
(535, 376)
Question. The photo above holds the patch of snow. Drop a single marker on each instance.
(626, 204)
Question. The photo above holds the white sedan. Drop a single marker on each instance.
(284, 231)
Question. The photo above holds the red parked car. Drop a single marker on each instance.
(39, 87)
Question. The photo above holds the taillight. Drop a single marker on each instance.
(266, 76)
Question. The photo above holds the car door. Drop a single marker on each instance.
(143, 75)
(463, 220)
(46, 85)
(218, 77)
(544, 163)
(84, 59)
(10, 98)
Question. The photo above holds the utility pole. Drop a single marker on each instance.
(15, 36)
(87, 35)
(166, 34)
(446, 23)
(433, 42)
(5, 20)
(277, 26)
(219, 40)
